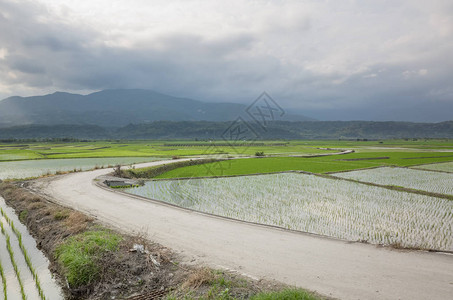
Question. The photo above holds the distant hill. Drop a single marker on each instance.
(115, 108)
(91, 132)
(291, 130)
(207, 130)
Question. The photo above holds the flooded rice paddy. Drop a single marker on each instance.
(35, 168)
(18, 279)
(331, 207)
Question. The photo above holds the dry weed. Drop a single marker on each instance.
(76, 222)
(7, 188)
(30, 198)
(198, 278)
(141, 237)
(35, 205)
(61, 214)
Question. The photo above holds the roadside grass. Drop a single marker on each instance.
(81, 254)
(209, 284)
(205, 283)
(287, 294)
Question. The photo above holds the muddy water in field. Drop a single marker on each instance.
(51, 289)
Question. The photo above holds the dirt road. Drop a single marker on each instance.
(331, 267)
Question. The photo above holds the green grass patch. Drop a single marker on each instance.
(23, 216)
(80, 256)
(288, 294)
(61, 214)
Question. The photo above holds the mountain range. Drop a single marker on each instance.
(145, 114)
(115, 108)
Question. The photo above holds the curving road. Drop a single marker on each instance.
(331, 267)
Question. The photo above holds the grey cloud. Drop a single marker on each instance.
(56, 42)
(60, 56)
(26, 65)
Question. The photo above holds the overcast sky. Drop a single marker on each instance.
(364, 59)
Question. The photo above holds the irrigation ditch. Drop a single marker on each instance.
(23, 269)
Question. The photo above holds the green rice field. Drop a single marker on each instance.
(334, 163)
(93, 149)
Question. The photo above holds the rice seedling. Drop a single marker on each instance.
(325, 206)
(434, 182)
(28, 261)
(444, 167)
(2, 275)
(13, 262)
